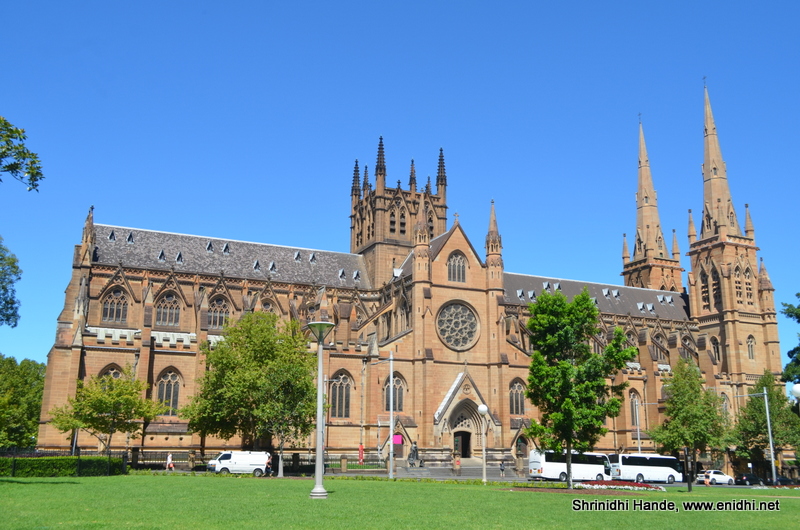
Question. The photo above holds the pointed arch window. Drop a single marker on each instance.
(457, 267)
(392, 222)
(168, 311)
(704, 291)
(516, 398)
(635, 402)
(748, 285)
(430, 226)
(737, 284)
(716, 349)
(168, 390)
(751, 347)
(115, 307)
(218, 313)
(340, 395)
(726, 405)
(402, 222)
(397, 386)
(716, 289)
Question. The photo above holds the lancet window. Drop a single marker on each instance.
(396, 387)
(168, 311)
(457, 267)
(169, 385)
(115, 307)
(340, 395)
(516, 397)
(218, 313)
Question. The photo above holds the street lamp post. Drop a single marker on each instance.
(484, 412)
(390, 389)
(320, 330)
(769, 431)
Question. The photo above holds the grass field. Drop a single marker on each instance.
(183, 501)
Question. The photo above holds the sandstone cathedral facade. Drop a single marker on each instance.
(450, 314)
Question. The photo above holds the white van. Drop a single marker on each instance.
(254, 462)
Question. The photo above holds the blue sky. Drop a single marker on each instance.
(242, 121)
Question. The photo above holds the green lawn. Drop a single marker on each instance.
(234, 502)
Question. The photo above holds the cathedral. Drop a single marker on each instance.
(416, 287)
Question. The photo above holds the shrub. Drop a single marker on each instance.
(59, 466)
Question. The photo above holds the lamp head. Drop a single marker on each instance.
(483, 409)
(796, 390)
(320, 329)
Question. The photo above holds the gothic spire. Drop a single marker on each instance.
(380, 168)
(764, 283)
(356, 190)
(494, 243)
(715, 182)
(626, 256)
(88, 228)
(749, 231)
(676, 251)
(441, 176)
(412, 179)
(428, 185)
(366, 181)
(650, 239)
(691, 232)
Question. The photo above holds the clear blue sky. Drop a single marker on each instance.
(242, 120)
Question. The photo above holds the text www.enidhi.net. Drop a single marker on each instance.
(740, 505)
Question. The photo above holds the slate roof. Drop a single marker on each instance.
(615, 299)
(148, 249)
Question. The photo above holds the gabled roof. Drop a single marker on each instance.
(522, 289)
(237, 259)
(439, 242)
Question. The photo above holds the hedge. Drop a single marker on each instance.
(60, 466)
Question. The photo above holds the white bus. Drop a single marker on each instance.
(646, 468)
(549, 465)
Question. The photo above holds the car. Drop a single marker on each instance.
(748, 479)
(782, 481)
(715, 476)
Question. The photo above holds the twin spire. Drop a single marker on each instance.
(649, 240)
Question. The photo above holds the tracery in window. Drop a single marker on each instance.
(726, 404)
(168, 311)
(457, 267)
(748, 286)
(397, 388)
(737, 284)
(392, 222)
(169, 385)
(516, 397)
(115, 307)
(218, 313)
(340, 396)
(112, 371)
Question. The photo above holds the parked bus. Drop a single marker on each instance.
(646, 468)
(549, 465)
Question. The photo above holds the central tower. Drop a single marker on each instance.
(382, 219)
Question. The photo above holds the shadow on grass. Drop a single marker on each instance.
(26, 482)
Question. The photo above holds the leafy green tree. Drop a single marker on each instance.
(107, 405)
(10, 273)
(567, 381)
(16, 159)
(21, 387)
(695, 419)
(258, 383)
(751, 436)
(791, 372)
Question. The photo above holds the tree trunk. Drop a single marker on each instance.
(690, 469)
(280, 459)
(569, 464)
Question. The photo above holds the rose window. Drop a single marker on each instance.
(457, 326)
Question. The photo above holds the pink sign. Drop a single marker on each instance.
(397, 439)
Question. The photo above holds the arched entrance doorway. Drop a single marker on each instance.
(465, 425)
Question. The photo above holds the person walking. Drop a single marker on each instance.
(502, 469)
(170, 465)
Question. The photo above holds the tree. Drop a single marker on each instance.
(695, 419)
(567, 380)
(258, 382)
(16, 159)
(791, 372)
(21, 387)
(106, 405)
(751, 436)
(10, 273)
